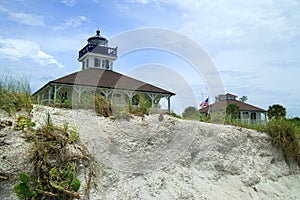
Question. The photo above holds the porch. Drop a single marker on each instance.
(81, 96)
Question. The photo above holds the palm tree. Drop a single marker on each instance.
(243, 98)
(232, 112)
(276, 111)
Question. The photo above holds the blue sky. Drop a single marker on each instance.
(254, 45)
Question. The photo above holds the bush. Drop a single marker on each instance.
(205, 118)
(141, 107)
(66, 104)
(102, 106)
(286, 135)
(191, 113)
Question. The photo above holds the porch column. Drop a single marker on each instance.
(130, 95)
(79, 91)
(106, 93)
(169, 104)
(42, 101)
(242, 116)
(152, 97)
(249, 118)
(56, 89)
(49, 95)
(39, 99)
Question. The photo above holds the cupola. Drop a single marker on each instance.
(97, 54)
(98, 40)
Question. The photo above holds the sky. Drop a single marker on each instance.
(251, 46)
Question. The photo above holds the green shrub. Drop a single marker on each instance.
(191, 113)
(102, 106)
(59, 104)
(285, 134)
(141, 107)
(205, 118)
(217, 117)
(66, 104)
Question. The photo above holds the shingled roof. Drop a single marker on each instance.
(221, 106)
(108, 79)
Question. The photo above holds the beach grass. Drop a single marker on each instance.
(286, 134)
(15, 94)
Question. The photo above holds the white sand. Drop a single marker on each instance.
(146, 158)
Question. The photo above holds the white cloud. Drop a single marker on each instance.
(21, 49)
(27, 19)
(69, 2)
(75, 21)
(236, 21)
(24, 18)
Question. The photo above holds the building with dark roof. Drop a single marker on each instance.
(97, 77)
(248, 113)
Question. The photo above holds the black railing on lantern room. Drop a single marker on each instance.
(109, 51)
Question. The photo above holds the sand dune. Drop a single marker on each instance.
(169, 158)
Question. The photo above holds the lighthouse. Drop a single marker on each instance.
(97, 54)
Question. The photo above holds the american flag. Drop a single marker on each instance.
(204, 103)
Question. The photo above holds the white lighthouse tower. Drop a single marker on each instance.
(97, 54)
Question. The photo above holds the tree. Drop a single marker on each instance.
(276, 111)
(191, 113)
(232, 112)
(243, 98)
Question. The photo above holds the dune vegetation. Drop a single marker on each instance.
(15, 94)
(54, 165)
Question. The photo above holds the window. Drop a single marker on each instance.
(105, 64)
(87, 63)
(97, 62)
(253, 115)
(245, 115)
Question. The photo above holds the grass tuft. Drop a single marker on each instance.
(15, 94)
